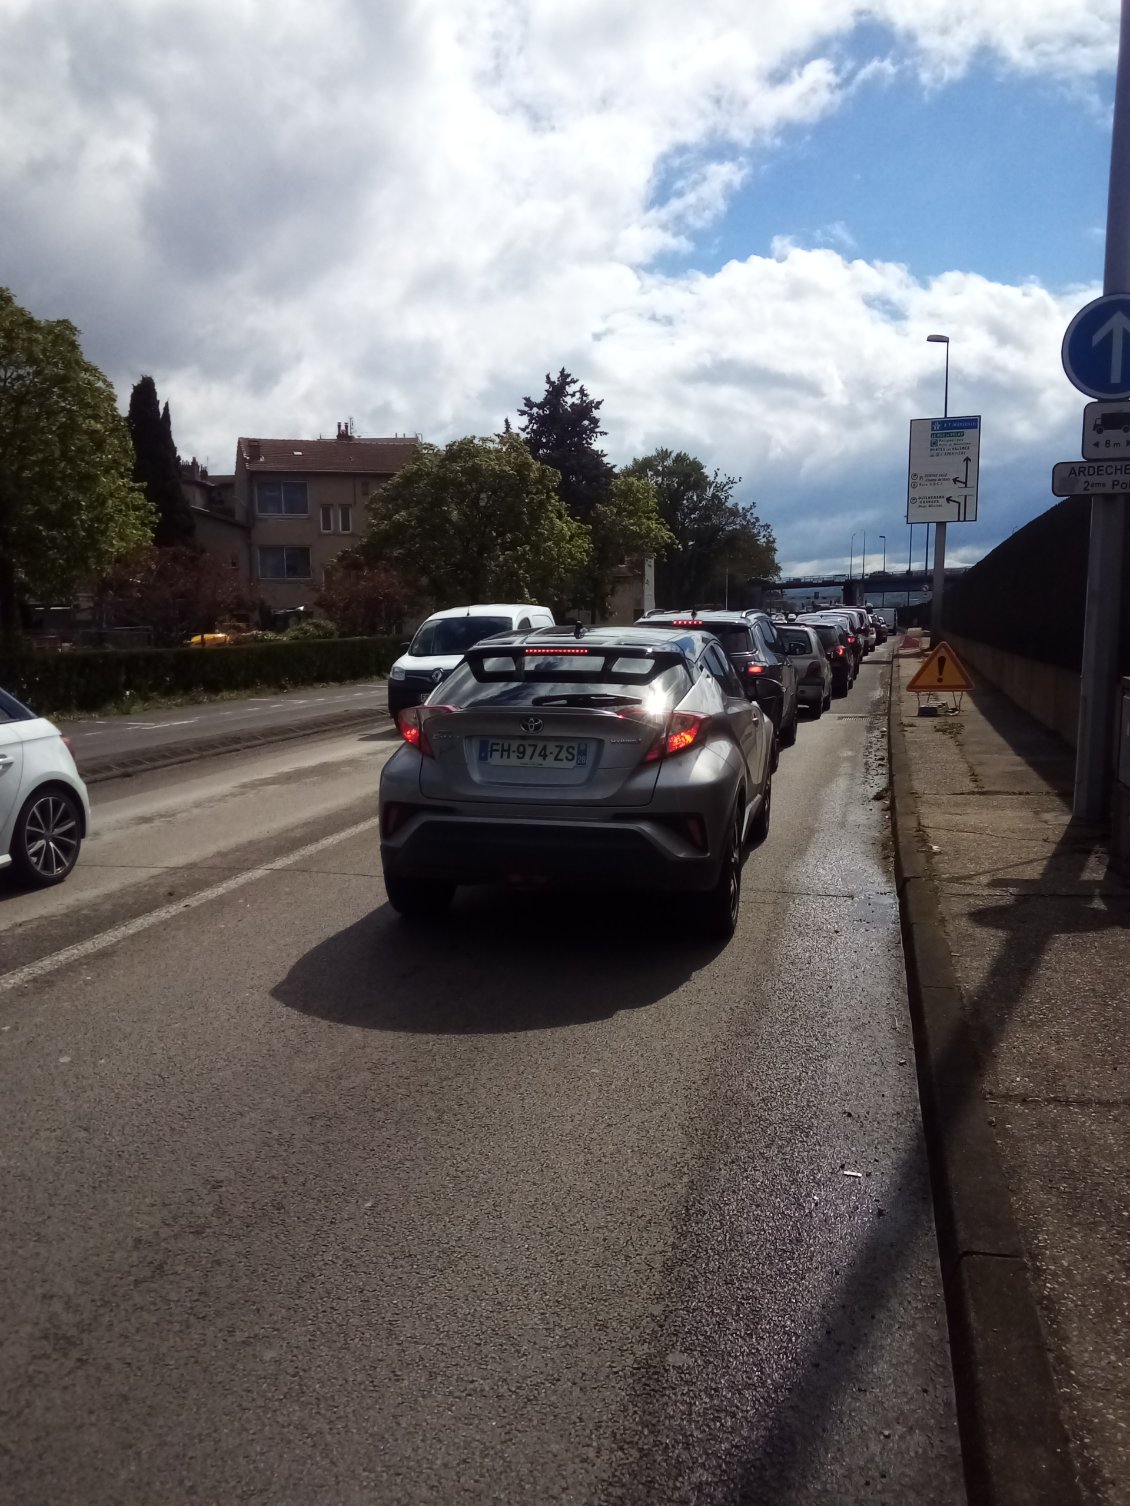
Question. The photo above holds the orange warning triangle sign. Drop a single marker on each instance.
(941, 670)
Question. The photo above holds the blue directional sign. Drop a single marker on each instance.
(1096, 347)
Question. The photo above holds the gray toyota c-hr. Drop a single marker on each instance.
(629, 756)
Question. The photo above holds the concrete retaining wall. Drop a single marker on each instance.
(1045, 691)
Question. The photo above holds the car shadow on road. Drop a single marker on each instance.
(499, 962)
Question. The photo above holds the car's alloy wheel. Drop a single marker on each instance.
(719, 906)
(47, 838)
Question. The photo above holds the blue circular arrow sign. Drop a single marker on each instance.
(1096, 347)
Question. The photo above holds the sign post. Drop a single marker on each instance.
(1096, 357)
(942, 477)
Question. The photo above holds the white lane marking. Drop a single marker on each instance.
(129, 928)
(156, 726)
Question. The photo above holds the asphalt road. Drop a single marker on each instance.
(106, 737)
(550, 1204)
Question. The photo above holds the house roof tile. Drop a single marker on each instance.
(380, 457)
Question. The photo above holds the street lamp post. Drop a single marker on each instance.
(883, 541)
(851, 559)
(939, 526)
(863, 571)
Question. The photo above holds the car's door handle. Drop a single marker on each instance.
(5, 762)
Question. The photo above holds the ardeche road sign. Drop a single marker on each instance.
(1076, 478)
(1096, 351)
(942, 481)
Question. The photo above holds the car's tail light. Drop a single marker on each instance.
(755, 669)
(683, 730)
(392, 816)
(851, 637)
(687, 622)
(838, 651)
(70, 747)
(815, 671)
(413, 724)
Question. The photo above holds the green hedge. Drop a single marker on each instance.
(90, 680)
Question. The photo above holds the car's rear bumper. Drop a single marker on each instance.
(810, 692)
(473, 850)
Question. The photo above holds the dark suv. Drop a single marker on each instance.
(757, 654)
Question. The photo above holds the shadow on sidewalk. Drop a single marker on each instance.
(777, 1463)
(1043, 750)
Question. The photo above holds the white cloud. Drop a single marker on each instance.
(288, 213)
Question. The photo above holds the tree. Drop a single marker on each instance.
(177, 592)
(561, 430)
(621, 513)
(67, 503)
(479, 520)
(712, 534)
(157, 465)
(363, 600)
(625, 526)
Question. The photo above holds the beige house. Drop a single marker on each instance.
(217, 526)
(303, 501)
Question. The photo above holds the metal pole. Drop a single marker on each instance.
(939, 582)
(909, 567)
(863, 571)
(851, 560)
(1095, 752)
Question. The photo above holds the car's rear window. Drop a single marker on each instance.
(794, 642)
(733, 636)
(527, 679)
(455, 635)
(829, 636)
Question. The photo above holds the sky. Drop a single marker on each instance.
(736, 222)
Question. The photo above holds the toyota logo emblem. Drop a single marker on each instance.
(532, 724)
(437, 676)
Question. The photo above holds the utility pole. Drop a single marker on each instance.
(1094, 756)
(939, 527)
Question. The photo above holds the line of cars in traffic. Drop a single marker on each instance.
(639, 756)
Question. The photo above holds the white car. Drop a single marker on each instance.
(440, 643)
(44, 807)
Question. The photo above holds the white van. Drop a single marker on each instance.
(442, 640)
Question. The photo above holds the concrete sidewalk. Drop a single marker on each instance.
(1015, 926)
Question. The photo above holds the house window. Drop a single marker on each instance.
(279, 562)
(326, 513)
(345, 519)
(365, 485)
(281, 499)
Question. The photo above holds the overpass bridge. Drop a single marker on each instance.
(874, 583)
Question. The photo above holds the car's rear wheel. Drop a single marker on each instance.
(775, 751)
(759, 826)
(47, 838)
(826, 703)
(718, 907)
(418, 899)
(788, 733)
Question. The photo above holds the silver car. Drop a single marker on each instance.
(609, 755)
(813, 672)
